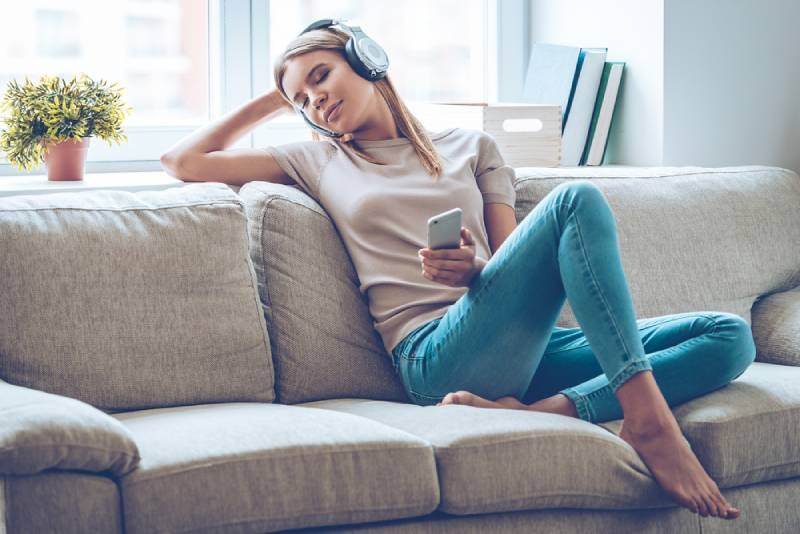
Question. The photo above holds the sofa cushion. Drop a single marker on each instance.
(492, 460)
(776, 327)
(128, 300)
(263, 467)
(44, 431)
(691, 238)
(497, 460)
(324, 344)
(746, 432)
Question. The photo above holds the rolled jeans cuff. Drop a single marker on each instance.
(630, 370)
(582, 401)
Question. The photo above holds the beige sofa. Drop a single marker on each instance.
(200, 359)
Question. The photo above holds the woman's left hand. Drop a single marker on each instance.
(452, 267)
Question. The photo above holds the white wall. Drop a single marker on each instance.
(711, 82)
(632, 32)
(732, 82)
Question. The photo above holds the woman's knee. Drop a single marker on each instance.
(740, 349)
(583, 190)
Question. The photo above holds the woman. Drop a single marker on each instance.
(477, 325)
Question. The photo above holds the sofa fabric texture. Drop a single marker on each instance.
(260, 467)
(40, 431)
(692, 238)
(776, 327)
(138, 299)
(771, 507)
(65, 502)
(324, 345)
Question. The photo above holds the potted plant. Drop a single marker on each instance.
(51, 122)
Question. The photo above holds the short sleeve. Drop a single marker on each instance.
(303, 161)
(495, 178)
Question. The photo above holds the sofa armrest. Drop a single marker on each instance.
(776, 328)
(41, 431)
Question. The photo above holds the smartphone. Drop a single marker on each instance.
(444, 230)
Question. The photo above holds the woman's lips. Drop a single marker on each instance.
(335, 112)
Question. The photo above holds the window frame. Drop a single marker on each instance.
(238, 51)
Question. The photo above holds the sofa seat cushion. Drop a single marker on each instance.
(259, 467)
(492, 460)
(132, 300)
(747, 431)
(497, 460)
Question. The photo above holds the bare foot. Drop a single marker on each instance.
(558, 403)
(670, 459)
(470, 399)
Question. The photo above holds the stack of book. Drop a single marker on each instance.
(585, 85)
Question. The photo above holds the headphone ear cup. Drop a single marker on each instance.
(355, 61)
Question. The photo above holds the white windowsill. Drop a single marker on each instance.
(37, 184)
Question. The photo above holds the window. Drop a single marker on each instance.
(184, 63)
(437, 50)
(157, 50)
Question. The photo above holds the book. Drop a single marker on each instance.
(550, 76)
(582, 102)
(568, 76)
(603, 115)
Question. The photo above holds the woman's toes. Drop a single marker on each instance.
(722, 506)
(702, 507)
(711, 505)
(457, 397)
(461, 397)
(729, 510)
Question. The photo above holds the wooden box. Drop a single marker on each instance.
(528, 135)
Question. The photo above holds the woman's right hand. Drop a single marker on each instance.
(277, 97)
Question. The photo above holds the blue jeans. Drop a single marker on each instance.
(500, 339)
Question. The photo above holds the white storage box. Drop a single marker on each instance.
(529, 135)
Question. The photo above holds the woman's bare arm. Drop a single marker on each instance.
(202, 156)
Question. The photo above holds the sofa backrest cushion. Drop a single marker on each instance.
(691, 238)
(776, 327)
(324, 344)
(132, 300)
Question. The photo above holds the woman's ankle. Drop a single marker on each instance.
(643, 405)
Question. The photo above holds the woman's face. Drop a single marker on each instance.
(318, 80)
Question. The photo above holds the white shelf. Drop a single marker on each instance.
(37, 184)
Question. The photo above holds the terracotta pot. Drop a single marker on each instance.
(65, 160)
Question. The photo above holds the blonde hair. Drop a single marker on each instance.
(407, 123)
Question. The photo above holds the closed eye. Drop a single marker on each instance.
(318, 81)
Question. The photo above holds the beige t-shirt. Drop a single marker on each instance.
(382, 213)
